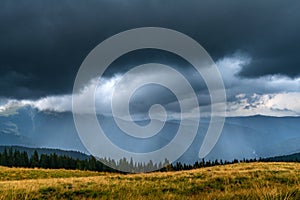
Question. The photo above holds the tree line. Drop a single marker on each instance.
(14, 158)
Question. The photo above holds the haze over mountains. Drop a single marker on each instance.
(242, 137)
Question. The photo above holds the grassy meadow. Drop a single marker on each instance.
(235, 181)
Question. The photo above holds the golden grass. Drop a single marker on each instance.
(237, 181)
(7, 174)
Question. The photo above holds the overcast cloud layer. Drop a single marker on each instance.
(44, 42)
(255, 44)
(272, 95)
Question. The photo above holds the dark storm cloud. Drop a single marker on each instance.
(42, 43)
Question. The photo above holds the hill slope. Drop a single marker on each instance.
(237, 181)
(285, 158)
(47, 151)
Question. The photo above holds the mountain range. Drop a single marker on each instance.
(242, 137)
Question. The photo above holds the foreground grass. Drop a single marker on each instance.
(237, 181)
(9, 174)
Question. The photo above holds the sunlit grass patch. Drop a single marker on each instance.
(236, 181)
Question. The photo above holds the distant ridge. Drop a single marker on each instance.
(295, 157)
(47, 151)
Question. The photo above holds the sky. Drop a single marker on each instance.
(255, 45)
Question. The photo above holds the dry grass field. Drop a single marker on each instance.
(236, 181)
